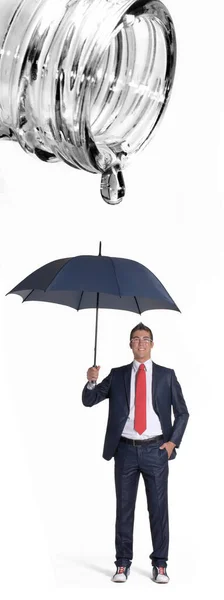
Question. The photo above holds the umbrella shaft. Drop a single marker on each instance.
(96, 328)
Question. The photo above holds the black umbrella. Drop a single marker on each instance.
(96, 282)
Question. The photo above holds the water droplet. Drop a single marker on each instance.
(112, 185)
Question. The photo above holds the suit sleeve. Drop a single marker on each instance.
(181, 414)
(98, 393)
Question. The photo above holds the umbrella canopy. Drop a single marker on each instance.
(96, 282)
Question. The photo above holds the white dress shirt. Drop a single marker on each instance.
(153, 426)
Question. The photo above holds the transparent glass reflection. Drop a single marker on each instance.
(85, 81)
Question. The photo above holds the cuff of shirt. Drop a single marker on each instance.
(90, 385)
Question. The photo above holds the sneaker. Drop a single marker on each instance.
(121, 574)
(159, 575)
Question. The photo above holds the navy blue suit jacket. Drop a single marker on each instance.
(166, 393)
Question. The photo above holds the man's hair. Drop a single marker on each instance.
(141, 327)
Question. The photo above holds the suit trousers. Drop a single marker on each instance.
(152, 463)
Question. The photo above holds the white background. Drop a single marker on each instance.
(57, 504)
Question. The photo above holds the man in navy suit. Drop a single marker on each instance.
(142, 438)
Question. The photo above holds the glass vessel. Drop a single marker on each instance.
(85, 81)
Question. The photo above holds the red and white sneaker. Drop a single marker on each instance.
(121, 574)
(159, 575)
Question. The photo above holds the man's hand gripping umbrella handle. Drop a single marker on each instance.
(93, 374)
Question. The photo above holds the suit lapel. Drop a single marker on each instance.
(127, 381)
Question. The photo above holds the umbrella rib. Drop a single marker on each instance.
(137, 305)
(119, 291)
(24, 299)
(80, 300)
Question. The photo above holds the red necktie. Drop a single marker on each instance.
(140, 400)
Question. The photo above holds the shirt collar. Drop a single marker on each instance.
(147, 363)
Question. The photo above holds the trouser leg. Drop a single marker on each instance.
(126, 483)
(155, 475)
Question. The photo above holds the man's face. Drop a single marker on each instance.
(141, 345)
